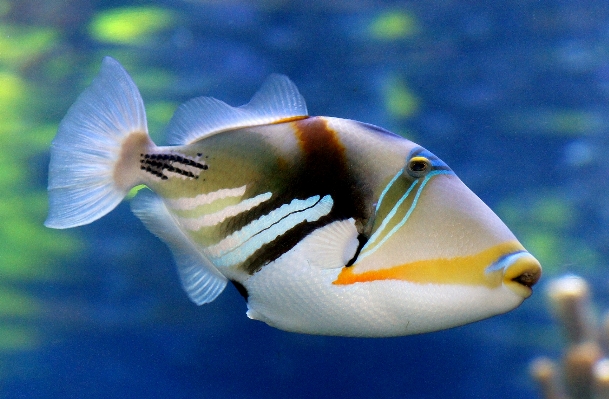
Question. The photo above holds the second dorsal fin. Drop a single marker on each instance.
(278, 99)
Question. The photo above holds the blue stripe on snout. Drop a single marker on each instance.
(506, 260)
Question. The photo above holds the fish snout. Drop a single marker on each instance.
(521, 273)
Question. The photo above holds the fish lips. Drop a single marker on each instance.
(520, 272)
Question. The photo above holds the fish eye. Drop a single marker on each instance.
(418, 166)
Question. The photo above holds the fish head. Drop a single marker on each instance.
(431, 230)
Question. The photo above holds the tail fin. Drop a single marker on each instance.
(94, 157)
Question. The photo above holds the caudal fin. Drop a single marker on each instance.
(94, 157)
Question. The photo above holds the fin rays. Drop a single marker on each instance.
(200, 279)
(277, 99)
(88, 146)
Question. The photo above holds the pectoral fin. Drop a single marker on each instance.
(333, 245)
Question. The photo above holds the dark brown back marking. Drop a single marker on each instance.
(322, 170)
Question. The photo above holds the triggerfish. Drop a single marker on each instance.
(325, 225)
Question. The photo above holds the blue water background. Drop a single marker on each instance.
(513, 95)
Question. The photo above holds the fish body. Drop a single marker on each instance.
(325, 225)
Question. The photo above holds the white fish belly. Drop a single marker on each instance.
(294, 294)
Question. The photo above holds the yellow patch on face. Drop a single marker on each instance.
(462, 270)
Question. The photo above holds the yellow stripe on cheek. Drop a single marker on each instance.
(464, 270)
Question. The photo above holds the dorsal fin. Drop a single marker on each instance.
(277, 99)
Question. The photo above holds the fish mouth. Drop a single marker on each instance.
(521, 271)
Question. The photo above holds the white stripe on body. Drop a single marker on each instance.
(184, 204)
(240, 245)
(218, 217)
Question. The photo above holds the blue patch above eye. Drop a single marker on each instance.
(436, 162)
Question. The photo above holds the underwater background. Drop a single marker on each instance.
(513, 95)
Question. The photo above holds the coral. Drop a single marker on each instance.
(583, 372)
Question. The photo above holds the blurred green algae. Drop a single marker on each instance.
(130, 25)
(30, 254)
(22, 45)
(393, 25)
(17, 338)
(400, 101)
(17, 304)
(158, 114)
(153, 80)
(39, 78)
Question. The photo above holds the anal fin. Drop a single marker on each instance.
(200, 278)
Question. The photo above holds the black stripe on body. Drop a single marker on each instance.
(323, 170)
(158, 164)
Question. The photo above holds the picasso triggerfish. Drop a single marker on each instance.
(325, 225)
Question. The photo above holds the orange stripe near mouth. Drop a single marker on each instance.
(464, 270)
(289, 119)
